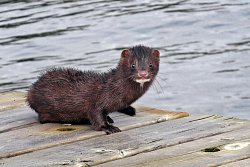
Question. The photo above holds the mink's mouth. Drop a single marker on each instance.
(142, 80)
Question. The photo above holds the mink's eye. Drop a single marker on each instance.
(133, 66)
(150, 65)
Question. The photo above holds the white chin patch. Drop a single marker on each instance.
(142, 80)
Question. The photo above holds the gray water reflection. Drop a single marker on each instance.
(204, 46)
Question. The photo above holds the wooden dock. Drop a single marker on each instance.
(151, 138)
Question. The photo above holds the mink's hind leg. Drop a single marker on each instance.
(99, 121)
(129, 111)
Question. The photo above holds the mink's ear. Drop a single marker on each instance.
(156, 53)
(125, 53)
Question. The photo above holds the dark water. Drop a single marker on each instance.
(204, 45)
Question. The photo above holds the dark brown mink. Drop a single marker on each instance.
(67, 95)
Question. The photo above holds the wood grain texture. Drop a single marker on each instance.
(131, 143)
(151, 138)
(9, 100)
(191, 153)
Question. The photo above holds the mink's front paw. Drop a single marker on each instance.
(109, 129)
(129, 110)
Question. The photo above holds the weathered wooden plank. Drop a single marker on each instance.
(191, 154)
(18, 117)
(9, 100)
(200, 159)
(37, 136)
(238, 163)
(132, 142)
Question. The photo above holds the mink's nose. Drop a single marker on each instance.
(143, 74)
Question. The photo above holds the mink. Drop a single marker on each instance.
(68, 95)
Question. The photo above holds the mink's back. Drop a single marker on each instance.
(70, 76)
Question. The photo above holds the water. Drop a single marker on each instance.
(204, 45)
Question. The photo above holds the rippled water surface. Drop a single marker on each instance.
(204, 45)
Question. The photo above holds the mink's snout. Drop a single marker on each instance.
(143, 74)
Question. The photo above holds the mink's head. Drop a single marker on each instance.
(140, 63)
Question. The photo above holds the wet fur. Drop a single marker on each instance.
(67, 95)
